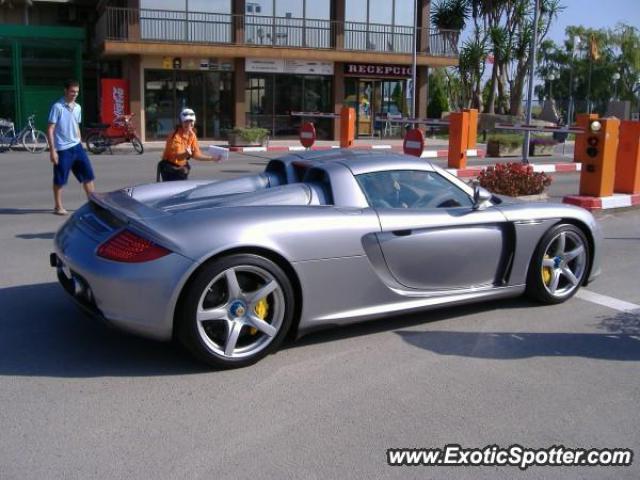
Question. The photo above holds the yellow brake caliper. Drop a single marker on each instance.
(261, 310)
(547, 272)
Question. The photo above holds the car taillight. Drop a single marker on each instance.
(128, 247)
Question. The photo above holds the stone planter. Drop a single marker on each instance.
(540, 197)
(236, 140)
(496, 149)
(537, 150)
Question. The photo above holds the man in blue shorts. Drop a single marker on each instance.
(68, 155)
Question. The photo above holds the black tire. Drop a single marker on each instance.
(96, 143)
(558, 267)
(234, 333)
(137, 145)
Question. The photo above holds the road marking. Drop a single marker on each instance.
(606, 301)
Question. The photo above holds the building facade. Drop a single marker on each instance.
(42, 44)
(252, 63)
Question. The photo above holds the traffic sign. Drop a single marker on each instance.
(413, 142)
(307, 134)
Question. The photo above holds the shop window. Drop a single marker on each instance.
(45, 66)
(270, 99)
(209, 94)
(6, 78)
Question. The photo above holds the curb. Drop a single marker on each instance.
(617, 200)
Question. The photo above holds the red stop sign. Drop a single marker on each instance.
(413, 142)
(307, 134)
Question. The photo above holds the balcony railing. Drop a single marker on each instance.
(147, 25)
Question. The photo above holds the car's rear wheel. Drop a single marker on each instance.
(236, 311)
(559, 264)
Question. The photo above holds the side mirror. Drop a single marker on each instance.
(480, 196)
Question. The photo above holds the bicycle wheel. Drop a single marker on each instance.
(96, 143)
(35, 141)
(4, 140)
(137, 145)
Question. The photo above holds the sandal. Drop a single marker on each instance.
(60, 211)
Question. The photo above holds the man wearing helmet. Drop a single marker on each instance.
(181, 146)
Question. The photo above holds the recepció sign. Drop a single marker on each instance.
(375, 70)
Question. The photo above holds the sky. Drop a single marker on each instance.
(594, 14)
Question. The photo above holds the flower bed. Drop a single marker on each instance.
(513, 179)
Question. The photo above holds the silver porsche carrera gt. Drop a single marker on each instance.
(319, 238)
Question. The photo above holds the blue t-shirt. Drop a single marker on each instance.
(67, 119)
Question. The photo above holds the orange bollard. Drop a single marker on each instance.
(582, 122)
(473, 127)
(347, 126)
(628, 158)
(458, 139)
(599, 166)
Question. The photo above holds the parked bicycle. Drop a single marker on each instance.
(103, 136)
(29, 137)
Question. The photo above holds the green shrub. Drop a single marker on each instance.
(506, 140)
(515, 140)
(251, 135)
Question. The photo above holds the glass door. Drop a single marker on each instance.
(369, 107)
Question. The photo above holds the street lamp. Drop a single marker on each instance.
(615, 77)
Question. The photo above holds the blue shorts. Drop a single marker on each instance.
(72, 159)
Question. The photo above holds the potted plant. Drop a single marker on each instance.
(514, 180)
(241, 136)
(504, 145)
(540, 145)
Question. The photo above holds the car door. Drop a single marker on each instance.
(431, 236)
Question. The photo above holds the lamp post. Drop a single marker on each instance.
(615, 77)
(574, 51)
(532, 60)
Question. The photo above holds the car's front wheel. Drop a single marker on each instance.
(236, 311)
(559, 264)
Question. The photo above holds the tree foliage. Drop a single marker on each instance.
(618, 51)
(502, 29)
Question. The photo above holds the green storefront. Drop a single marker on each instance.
(34, 63)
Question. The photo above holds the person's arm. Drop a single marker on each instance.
(53, 119)
(53, 154)
(78, 120)
(198, 155)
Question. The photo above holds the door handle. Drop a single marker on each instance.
(401, 233)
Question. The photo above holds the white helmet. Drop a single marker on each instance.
(187, 115)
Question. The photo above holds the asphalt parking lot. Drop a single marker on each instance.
(81, 400)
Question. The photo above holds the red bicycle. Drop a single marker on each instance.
(103, 136)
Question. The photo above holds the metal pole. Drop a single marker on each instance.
(415, 60)
(570, 108)
(589, 84)
(532, 63)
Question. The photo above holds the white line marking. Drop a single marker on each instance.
(381, 147)
(541, 167)
(606, 301)
(254, 149)
(617, 200)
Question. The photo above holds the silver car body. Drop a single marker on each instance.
(347, 261)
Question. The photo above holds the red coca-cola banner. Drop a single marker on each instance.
(115, 99)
